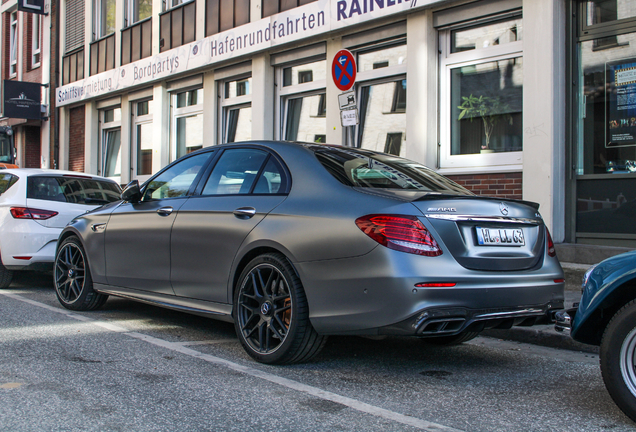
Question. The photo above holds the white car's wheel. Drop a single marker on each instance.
(6, 276)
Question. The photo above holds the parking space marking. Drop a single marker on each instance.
(207, 342)
(256, 373)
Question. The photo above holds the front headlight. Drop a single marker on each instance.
(587, 274)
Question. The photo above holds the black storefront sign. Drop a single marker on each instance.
(22, 100)
(32, 6)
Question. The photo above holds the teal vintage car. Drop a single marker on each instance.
(606, 317)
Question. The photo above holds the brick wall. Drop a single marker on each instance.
(76, 140)
(503, 185)
(32, 148)
(6, 44)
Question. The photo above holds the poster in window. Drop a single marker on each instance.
(621, 103)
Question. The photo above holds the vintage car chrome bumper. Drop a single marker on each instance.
(564, 320)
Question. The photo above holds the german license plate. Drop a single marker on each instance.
(500, 237)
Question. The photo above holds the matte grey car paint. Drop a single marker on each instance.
(353, 284)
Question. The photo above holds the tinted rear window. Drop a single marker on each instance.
(360, 168)
(72, 190)
(6, 181)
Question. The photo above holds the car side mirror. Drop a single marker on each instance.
(131, 192)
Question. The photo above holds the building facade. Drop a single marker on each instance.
(488, 92)
(25, 41)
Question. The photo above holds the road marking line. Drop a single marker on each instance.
(256, 373)
(207, 342)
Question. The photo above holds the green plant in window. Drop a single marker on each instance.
(490, 109)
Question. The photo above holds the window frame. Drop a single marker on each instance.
(13, 44)
(98, 31)
(227, 104)
(36, 41)
(382, 75)
(182, 112)
(136, 121)
(129, 13)
(171, 4)
(285, 93)
(104, 129)
(449, 61)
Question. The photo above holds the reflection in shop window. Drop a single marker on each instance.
(239, 124)
(382, 117)
(486, 107)
(189, 134)
(485, 36)
(382, 58)
(306, 118)
(112, 153)
(238, 88)
(308, 72)
(605, 11)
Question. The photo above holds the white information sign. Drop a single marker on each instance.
(347, 100)
(349, 117)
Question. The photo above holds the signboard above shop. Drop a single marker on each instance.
(22, 100)
(310, 20)
(32, 6)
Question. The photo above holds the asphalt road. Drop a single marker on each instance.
(133, 367)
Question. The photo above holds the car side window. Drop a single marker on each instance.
(271, 180)
(176, 181)
(235, 172)
(6, 181)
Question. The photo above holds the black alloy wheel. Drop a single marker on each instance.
(6, 276)
(271, 314)
(72, 278)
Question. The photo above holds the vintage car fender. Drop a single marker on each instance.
(605, 290)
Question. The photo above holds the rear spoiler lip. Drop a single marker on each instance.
(432, 196)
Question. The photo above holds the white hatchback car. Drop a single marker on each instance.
(35, 205)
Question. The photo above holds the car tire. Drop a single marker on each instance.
(271, 313)
(72, 278)
(6, 276)
(617, 358)
(457, 339)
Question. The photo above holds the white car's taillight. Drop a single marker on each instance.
(31, 213)
(402, 233)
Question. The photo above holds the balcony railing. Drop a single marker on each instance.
(178, 26)
(73, 66)
(136, 41)
(103, 54)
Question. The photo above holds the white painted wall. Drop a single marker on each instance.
(544, 110)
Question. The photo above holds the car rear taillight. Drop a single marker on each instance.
(31, 213)
(402, 233)
(551, 249)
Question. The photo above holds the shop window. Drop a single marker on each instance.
(110, 144)
(381, 93)
(145, 150)
(302, 101)
(187, 122)
(236, 110)
(223, 15)
(13, 47)
(481, 82)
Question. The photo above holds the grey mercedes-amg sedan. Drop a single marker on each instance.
(295, 241)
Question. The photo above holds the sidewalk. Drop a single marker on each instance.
(545, 335)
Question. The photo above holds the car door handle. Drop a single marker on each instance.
(165, 211)
(244, 212)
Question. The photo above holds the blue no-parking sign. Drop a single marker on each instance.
(343, 70)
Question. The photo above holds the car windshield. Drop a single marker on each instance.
(72, 190)
(6, 181)
(360, 168)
